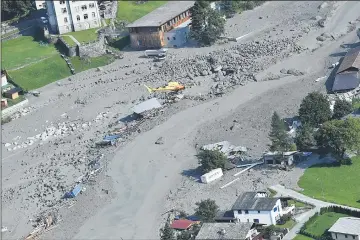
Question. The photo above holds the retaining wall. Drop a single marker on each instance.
(13, 109)
(69, 51)
(93, 49)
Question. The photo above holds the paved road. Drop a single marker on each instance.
(284, 192)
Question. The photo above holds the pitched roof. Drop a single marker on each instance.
(351, 60)
(249, 201)
(346, 225)
(13, 90)
(346, 81)
(163, 14)
(225, 216)
(224, 231)
(182, 224)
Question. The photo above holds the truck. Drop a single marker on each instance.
(156, 53)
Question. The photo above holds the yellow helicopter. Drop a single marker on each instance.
(171, 86)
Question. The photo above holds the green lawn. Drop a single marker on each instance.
(88, 35)
(289, 224)
(24, 50)
(272, 192)
(322, 223)
(55, 68)
(333, 184)
(297, 203)
(356, 103)
(302, 237)
(130, 11)
(69, 41)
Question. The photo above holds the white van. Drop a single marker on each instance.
(153, 53)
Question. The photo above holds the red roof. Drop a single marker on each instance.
(182, 224)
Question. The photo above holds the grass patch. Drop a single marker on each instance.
(272, 192)
(24, 50)
(12, 102)
(297, 204)
(288, 224)
(69, 41)
(356, 104)
(85, 36)
(333, 183)
(322, 223)
(130, 11)
(108, 21)
(53, 69)
(302, 237)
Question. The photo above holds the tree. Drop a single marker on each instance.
(314, 109)
(167, 233)
(210, 160)
(15, 8)
(341, 108)
(207, 24)
(184, 235)
(304, 138)
(206, 210)
(229, 8)
(339, 136)
(280, 140)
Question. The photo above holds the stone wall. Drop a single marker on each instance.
(13, 109)
(69, 51)
(93, 49)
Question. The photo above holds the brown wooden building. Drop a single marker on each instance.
(149, 31)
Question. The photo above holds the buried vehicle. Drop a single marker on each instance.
(156, 53)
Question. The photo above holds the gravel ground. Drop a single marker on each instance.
(49, 145)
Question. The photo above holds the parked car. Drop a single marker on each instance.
(44, 20)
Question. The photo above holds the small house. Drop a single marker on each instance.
(227, 231)
(257, 207)
(182, 224)
(3, 78)
(347, 76)
(346, 228)
(285, 158)
(13, 93)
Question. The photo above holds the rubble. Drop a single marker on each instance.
(229, 150)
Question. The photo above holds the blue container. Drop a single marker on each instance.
(75, 191)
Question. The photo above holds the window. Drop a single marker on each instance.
(239, 212)
(248, 220)
(169, 39)
(65, 20)
(95, 22)
(174, 38)
(77, 8)
(275, 209)
(93, 14)
(83, 7)
(91, 5)
(345, 236)
(246, 212)
(78, 17)
(63, 10)
(336, 235)
(258, 211)
(353, 237)
(62, 2)
(86, 16)
(256, 220)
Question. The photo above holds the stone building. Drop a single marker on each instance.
(166, 26)
(71, 16)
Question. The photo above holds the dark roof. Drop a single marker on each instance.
(14, 90)
(351, 60)
(163, 14)
(346, 81)
(224, 231)
(182, 224)
(225, 216)
(249, 201)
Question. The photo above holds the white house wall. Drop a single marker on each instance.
(265, 217)
(74, 17)
(340, 236)
(180, 34)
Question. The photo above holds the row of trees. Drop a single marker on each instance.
(206, 210)
(320, 127)
(15, 8)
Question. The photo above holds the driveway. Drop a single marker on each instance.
(285, 192)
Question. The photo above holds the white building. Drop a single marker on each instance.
(40, 4)
(70, 16)
(346, 228)
(257, 207)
